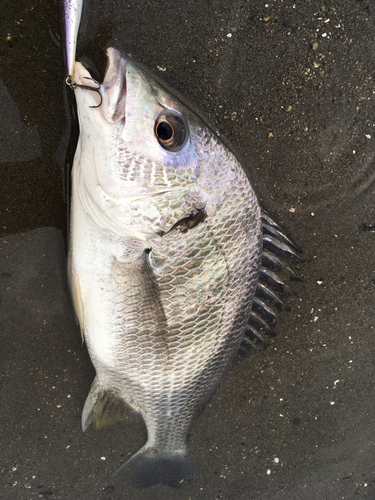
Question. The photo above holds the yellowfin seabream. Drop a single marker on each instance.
(165, 253)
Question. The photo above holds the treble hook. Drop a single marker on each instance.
(73, 85)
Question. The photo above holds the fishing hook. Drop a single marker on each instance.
(73, 85)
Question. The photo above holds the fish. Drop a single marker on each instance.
(166, 253)
(71, 11)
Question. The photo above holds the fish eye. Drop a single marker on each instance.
(171, 131)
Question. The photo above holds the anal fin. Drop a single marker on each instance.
(105, 408)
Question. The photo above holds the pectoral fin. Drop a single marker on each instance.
(139, 293)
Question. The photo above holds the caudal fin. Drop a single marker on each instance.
(149, 467)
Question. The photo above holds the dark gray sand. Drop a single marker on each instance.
(291, 85)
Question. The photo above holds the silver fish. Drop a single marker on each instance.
(165, 252)
(71, 18)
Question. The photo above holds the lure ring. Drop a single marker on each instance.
(71, 82)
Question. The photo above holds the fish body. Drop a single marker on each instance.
(71, 18)
(165, 251)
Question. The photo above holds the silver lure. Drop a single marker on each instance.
(71, 18)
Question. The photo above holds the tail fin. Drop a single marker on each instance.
(149, 467)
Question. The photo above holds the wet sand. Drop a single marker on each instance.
(291, 86)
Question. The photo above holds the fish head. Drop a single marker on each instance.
(139, 141)
(150, 120)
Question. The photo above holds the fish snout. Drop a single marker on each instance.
(83, 82)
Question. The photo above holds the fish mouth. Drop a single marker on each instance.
(82, 80)
(111, 93)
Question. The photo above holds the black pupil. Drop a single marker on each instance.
(164, 131)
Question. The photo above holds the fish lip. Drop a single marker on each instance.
(83, 81)
(81, 73)
(113, 88)
(114, 59)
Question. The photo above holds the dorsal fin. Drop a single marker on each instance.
(277, 249)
